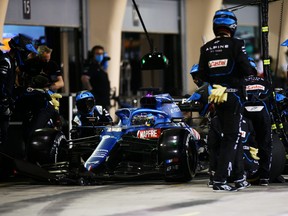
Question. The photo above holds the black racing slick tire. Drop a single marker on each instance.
(46, 146)
(278, 158)
(177, 152)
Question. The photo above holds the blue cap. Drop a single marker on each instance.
(285, 43)
(31, 48)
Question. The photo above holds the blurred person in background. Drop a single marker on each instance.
(40, 71)
(95, 78)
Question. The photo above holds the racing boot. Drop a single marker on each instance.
(210, 182)
(242, 184)
(223, 187)
(263, 182)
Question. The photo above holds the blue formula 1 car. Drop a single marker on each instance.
(152, 140)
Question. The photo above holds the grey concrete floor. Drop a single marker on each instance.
(140, 198)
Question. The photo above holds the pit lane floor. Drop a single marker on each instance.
(24, 197)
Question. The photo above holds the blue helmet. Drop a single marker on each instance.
(85, 102)
(22, 45)
(253, 64)
(224, 19)
(195, 75)
(194, 68)
(285, 43)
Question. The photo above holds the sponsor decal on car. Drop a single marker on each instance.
(114, 129)
(149, 134)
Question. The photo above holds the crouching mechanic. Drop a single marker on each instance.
(224, 63)
(88, 114)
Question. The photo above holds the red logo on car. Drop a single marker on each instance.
(149, 134)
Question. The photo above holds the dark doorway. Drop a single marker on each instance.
(134, 46)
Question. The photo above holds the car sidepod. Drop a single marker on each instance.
(177, 152)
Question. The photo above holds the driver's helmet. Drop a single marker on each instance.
(147, 119)
(224, 20)
(22, 45)
(150, 120)
(85, 102)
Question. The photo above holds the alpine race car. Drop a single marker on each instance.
(152, 140)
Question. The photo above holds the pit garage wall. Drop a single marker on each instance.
(3, 10)
(104, 25)
(275, 50)
(196, 24)
(58, 13)
(54, 13)
(197, 29)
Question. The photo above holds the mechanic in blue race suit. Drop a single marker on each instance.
(20, 47)
(39, 79)
(215, 132)
(202, 92)
(88, 114)
(224, 63)
(257, 110)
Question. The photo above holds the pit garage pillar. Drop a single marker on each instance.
(278, 18)
(105, 19)
(3, 10)
(197, 31)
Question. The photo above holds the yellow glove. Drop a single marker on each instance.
(218, 90)
(223, 98)
(218, 94)
(254, 152)
(55, 101)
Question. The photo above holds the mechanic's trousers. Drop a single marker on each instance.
(213, 142)
(261, 122)
(230, 148)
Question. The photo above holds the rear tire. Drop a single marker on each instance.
(278, 158)
(180, 160)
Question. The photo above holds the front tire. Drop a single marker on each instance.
(47, 146)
